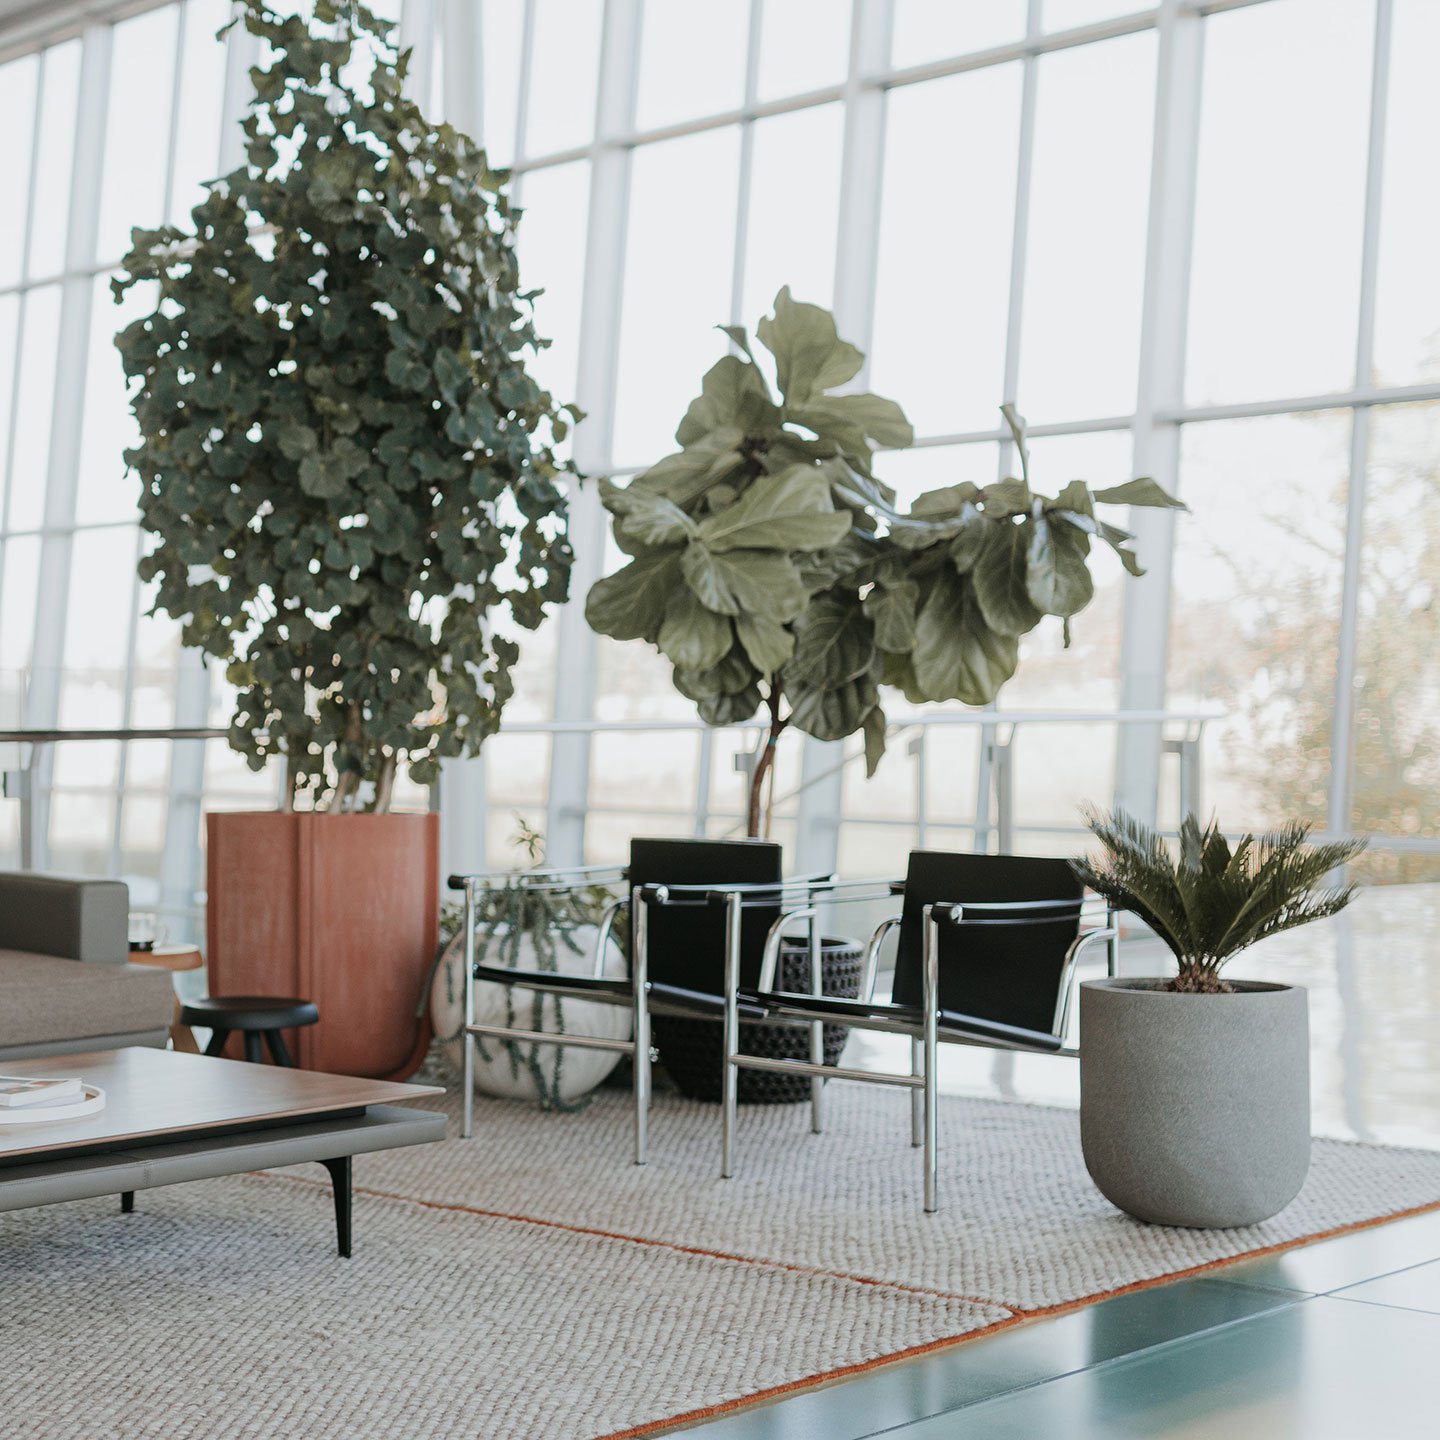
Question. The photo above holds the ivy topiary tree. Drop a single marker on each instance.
(346, 466)
(770, 565)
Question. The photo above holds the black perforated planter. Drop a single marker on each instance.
(690, 1050)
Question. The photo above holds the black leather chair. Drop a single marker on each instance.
(678, 944)
(987, 955)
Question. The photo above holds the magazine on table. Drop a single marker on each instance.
(17, 1091)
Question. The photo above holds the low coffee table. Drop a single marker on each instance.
(170, 1117)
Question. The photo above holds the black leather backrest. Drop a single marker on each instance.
(687, 943)
(1005, 973)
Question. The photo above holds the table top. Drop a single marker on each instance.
(165, 1093)
(170, 957)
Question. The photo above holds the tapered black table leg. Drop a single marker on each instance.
(279, 1051)
(127, 1201)
(340, 1179)
(218, 1038)
(253, 1053)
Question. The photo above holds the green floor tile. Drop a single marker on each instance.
(991, 1366)
(1322, 1369)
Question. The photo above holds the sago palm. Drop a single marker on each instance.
(1213, 901)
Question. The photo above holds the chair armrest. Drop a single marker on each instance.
(1065, 994)
(870, 965)
(71, 918)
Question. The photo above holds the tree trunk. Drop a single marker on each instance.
(764, 763)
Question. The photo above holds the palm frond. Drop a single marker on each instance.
(1214, 900)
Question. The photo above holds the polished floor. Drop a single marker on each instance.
(1334, 1341)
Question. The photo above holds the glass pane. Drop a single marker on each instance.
(17, 84)
(1256, 599)
(1396, 786)
(137, 130)
(677, 285)
(692, 61)
(563, 70)
(1407, 302)
(1086, 676)
(791, 239)
(202, 87)
(936, 29)
(910, 473)
(107, 489)
(32, 412)
(60, 84)
(1089, 202)
(551, 239)
(81, 830)
(9, 321)
(97, 626)
(1280, 200)
(21, 579)
(502, 28)
(804, 45)
(946, 228)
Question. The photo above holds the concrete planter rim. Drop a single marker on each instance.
(1156, 985)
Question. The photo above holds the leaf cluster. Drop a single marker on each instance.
(344, 461)
(769, 561)
(1212, 900)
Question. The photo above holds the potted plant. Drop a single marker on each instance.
(348, 473)
(770, 566)
(1195, 1091)
(526, 927)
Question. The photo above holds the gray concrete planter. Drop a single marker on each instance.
(1195, 1109)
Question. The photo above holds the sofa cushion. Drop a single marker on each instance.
(77, 918)
(42, 998)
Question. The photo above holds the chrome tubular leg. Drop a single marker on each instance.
(932, 1060)
(730, 1072)
(640, 979)
(817, 1031)
(917, 1101)
(467, 1040)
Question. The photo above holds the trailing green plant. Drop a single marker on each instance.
(345, 464)
(771, 567)
(507, 913)
(1210, 900)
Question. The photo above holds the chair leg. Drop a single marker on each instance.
(127, 1202)
(216, 1045)
(932, 1115)
(253, 1053)
(730, 1039)
(817, 1033)
(917, 1101)
(279, 1051)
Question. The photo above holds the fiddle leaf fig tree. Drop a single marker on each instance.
(347, 468)
(772, 568)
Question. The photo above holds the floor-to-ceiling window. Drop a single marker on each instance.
(1191, 240)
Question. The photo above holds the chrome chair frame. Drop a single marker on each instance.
(927, 1029)
(637, 992)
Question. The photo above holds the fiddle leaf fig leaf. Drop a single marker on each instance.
(789, 511)
(835, 642)
(691, 636)
(809, 355)
(957, 655)
(1143, 491)
(875, 728)
(737, 582)
(1001, 588)
(649, 517)
(1057, 578)
(891, 609)
(631, 603)
(768, 644)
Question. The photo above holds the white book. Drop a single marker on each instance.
(16, 1090)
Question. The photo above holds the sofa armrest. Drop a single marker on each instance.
(72, 918)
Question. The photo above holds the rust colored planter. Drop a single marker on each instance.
(339, 909)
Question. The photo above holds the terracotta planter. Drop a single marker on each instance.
(339, 909)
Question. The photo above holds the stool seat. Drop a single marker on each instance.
(253, 1016)
(250, 1012)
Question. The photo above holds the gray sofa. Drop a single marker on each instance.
(65, 981)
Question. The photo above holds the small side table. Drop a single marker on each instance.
(174, 958)
(253, 1016)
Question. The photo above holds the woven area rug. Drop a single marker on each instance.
(532, 1283)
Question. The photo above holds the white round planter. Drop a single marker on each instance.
(1195, 1109)
(580, 1070)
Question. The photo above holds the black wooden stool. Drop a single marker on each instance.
(254, 1016)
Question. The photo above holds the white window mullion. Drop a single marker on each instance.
(601, 302)
(1342, 741)
(1145, 641)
